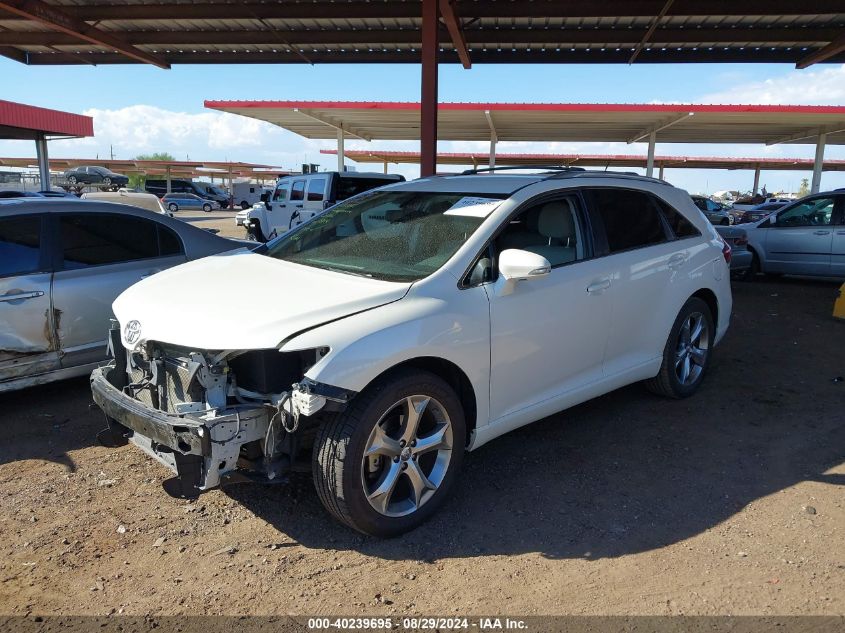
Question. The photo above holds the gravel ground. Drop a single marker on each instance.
(730, 502)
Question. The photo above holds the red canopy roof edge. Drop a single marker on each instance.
(556, 107)
(44, 120)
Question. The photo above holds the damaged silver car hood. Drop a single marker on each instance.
(242, 300)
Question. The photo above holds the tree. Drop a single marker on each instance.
(136, 181)
(804, 189)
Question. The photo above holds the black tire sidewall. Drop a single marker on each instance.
(173, 207)
(366, 518)
(206, 208)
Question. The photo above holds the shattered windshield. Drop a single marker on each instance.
(388, 235)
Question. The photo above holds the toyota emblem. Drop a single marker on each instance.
(132, 332)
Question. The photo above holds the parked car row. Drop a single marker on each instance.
(397, 335)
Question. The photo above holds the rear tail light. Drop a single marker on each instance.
(726, 250)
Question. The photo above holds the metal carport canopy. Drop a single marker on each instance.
(554, 122)
(549, 122)
(25, 122)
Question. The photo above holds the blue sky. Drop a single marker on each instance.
(143, 109)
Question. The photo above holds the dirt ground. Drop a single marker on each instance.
(223, 221)
(730, 502)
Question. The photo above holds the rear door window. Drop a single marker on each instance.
(20, 245)
(629, 218)
(316, 189)
(297, 192)
(97, 239)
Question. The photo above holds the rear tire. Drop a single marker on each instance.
(173, 207)
(686, 355)
(387, 463)
(245, 205)
(750, 273)
(206, 207)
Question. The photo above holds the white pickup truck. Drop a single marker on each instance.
(299, 198)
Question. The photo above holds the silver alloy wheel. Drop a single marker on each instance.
(407, 456)
(692, 349)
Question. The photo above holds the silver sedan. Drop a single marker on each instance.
(806, 237)
(62, 263)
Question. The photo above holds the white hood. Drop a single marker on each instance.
(240, 300)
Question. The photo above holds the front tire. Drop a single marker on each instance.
(686, 355)
(386, 464)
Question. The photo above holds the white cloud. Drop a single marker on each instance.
(821, 86)
(144, 129)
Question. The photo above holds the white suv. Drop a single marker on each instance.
(410, 324)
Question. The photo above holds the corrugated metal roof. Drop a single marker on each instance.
(19, 121)
(325, 31)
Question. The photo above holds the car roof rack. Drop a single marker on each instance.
(559, 168)
(560, 172)
(627, 175)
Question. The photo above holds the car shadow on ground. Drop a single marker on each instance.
(630, 472)
(49, 421)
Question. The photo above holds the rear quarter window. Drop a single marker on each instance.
(630, 218)
(681, 227)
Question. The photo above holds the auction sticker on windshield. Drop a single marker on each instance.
(473, 207)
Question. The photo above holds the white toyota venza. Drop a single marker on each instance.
(379, 341)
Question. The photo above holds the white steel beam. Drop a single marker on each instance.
(818, 163)
(660, 126)
(338, 125)
(649, 166)
(808, 134)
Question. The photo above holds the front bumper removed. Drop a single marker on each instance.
(202, 448)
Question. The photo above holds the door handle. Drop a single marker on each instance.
(840, 232)
(32, 294)
(821, 233)
(677, 260)
(597, 287)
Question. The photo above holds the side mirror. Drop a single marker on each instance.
(516, 265)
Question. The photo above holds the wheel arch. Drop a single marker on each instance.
(454, 376)
(709, 297)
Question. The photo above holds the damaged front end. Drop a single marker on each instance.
(214, 417)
